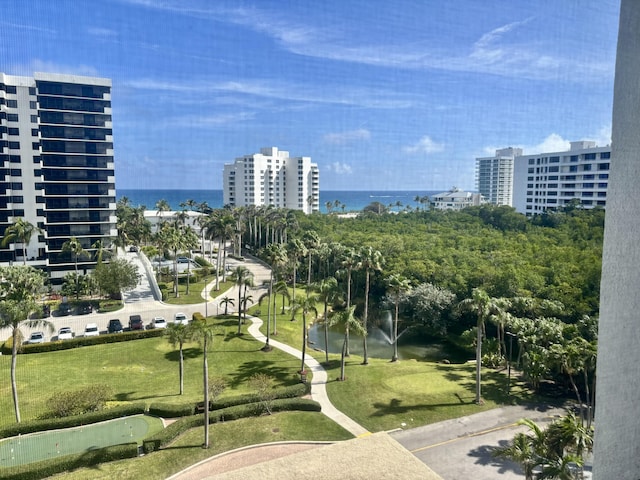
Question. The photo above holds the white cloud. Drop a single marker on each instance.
(554, 142)
(346, 137)
(425, 145)
(102, 32)
(340, 168)
(50, 67)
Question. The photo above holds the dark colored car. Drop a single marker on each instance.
(115, 326)
(64, 309)
(133, 248)
(85, 309)
(135, 322)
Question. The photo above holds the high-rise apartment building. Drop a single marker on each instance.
(272, 177)
(548, 181)
(494, 176)
(56, 149)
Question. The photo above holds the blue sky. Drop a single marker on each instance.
(400, 95)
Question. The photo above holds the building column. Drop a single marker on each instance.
(617, 416)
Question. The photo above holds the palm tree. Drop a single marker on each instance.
(482, 306)
(295, 249)
(397, 285)
(240, 276)
(328, 292)
(204, 334)
(349, 261)
(226, 301)
(100, 250)
(370, 260)
(20, 231)
(305, 305)
(178, 334)
(347, 319)
(18, 289)
(74, 246)
(311, 242)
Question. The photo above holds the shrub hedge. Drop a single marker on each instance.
(166, 436)
(74, 421)
(198, 316)
(84, 341)
(47, 468)
(173, 410)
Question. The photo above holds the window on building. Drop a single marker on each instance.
(603, 166)
(34, 119)
(32, 90)
(11, 89)
(14, 145)
(605, 155)
(33, 105)
(12, 117)
(12, 103)
(589, 156)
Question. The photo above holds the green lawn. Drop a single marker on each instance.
(195, 291)
(141, 370)
(187, 450)
(409, 393)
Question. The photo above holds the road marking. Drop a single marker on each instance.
(475, 434)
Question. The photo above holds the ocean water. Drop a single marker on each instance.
(353, 200)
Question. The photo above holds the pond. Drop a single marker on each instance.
(379, 343)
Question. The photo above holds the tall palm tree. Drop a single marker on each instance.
(347, 319)
(328, 292)
(482, 306)
(19, 286)
(349, 261)
(277, 257)
(74, 246)
(240, 275)
(178, 334)
(295, 249)
(311, 242)
(397, 286)
(371, 261)
(20, 231)
(204, 334)
(305, 305)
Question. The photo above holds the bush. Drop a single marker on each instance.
(171, 410)
(166, 436)
(197, 316)
(85, 341)
(297, 390)
(78, 402)
(50, 467)
(74, 421)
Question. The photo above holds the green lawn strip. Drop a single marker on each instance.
(140, 370)
(49, 444)
(195, 292)
(187, 449)
(384, 395)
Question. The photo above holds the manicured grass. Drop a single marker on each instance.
(188, 450)
(385, 395)
(140, 370)
(195, 291)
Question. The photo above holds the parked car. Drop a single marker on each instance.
(158, 322)
(183, 260)
(91, 330)
(180, 318)
(133, 248)
(36, 337)
(135, 322)
(65, 333)
(115, 326)
(85, 308)
(64, 309)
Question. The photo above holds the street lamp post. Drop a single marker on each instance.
(511, 335)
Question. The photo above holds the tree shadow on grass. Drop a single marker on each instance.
(395, 407)
(131, 396)
(187, 353)
(280, 373)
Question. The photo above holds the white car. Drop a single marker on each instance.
(91, 330)
(158, 322)
(180, 318)
(36, 337)
(65, 333)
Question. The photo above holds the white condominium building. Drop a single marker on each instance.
(548, 181)
(56, 151)
(272, 177)
(494, 176)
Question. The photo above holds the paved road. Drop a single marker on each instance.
(461, 448)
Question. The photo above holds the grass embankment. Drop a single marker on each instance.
(195, 291)
(188, 450)
(141, 370)
(385, 395)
